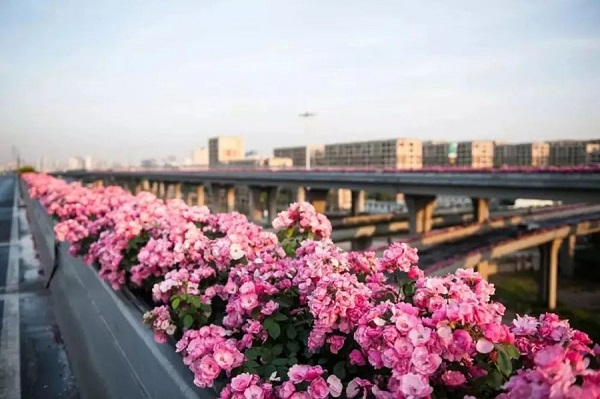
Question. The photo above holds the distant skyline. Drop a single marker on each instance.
(128, 80)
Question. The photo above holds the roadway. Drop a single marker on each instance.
(33, 361)
(428, 257)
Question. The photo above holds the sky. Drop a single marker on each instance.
(127, 79)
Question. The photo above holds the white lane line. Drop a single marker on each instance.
(10, 340)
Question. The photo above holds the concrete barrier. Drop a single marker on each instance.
(112, 354)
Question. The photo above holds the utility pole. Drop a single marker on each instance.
(305, 116)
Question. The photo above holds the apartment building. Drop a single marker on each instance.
(200, 156)
(264, 162)
(523, 154)
(224, 149)
(298, 155)
(475, 154)
(436, 153)
(574, 152)
(393, 153)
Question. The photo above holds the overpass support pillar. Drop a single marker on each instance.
(145, 185)
(318, 199)
(548, 284)
(139, 187)
(300, 194)
(230, 199)
(487, 268)
(567, 254)
(361, 243)
(162, 190)
(200, 198)
(256, 204)
(358, 202)
(177, 191)
(481, 209)
(420, 213)
(99, 183)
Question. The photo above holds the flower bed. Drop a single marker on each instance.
(291, 316)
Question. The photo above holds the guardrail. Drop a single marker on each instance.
(112, 354)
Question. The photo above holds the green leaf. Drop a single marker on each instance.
(251, 353)
(494, 379)
(292, 361)
(280, 362)
(292, 346)
(504, 364)
(290, 331)
(269, 370)
(251, 365)
(512, 351)
(272, 327)
(340, 369)
(196, 301)
(175, 303)
(280, 317)
(277, 349)
(188, 320)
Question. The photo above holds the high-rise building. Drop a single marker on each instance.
(523, 154)
(475, 154)
(393, 153)
(223, 149)
(75, 163)
(88, 163)
(574, 152)
(299, 154)
(200, 156)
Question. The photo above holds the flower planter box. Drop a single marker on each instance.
(112, 354)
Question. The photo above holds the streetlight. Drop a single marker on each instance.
(307, 115)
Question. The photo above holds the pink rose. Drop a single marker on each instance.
(249, 301)
(336, 343)
(357, 358)
(254, 392)
(297, 373)
(484, 346)
(335, 386)
(549, 357)
(287, 389)
(240, 382)
(494, 332)
(453, 378)
(209, 368)
(424, 362)
(415, 386)
(318, 388)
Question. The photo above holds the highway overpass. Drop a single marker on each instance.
(420, 188)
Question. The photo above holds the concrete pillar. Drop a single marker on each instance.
(272, 202)
(138, 187)
(230, 199)
(420, 213)
(155, 186)
(548, 284)
(566, 257)
(487, 268)
(177, 189)
(361, 243)
(255, 213)
(161, 190)
(358, 202)
(481, 209)
(200, 199)
(318, 198)
(300, 194)
(145, 185)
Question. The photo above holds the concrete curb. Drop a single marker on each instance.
(112, 354)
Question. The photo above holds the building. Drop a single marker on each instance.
(75, 163)
(223, 149)
(299, 154)
(436, 153)
(393, 153)
(475, 154)
(199, 156)
(523, 154)
(88, 163)
(263, 162)
(574, 152)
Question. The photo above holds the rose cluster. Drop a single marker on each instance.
(290, 315)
